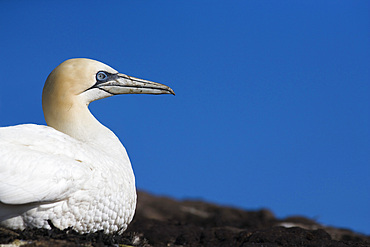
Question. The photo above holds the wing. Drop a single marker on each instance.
(39, 164)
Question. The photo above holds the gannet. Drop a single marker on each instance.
(74, 172)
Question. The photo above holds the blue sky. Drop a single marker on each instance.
(272, 102)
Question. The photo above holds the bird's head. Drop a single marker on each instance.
(77, 82)
(95, 80)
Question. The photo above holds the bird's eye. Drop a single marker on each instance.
(101, 76)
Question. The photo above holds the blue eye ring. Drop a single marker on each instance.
(101, 76)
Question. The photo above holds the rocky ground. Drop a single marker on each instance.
(161, 221)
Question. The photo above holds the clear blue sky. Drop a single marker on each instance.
(272, 101)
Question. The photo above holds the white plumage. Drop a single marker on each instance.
(74, 172)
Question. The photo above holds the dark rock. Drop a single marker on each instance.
(161, 221)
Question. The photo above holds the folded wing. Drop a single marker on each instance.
(40, 164)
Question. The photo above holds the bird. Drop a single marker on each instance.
(73, 173)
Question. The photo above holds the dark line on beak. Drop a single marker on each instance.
(104, 90)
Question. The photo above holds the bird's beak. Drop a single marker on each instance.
(124, 84)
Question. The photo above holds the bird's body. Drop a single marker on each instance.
(52, 176)
(74, 172)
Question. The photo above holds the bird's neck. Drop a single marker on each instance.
(78, 122)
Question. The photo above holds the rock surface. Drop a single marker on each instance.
(161, 221)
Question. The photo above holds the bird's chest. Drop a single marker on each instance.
(106, 202)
